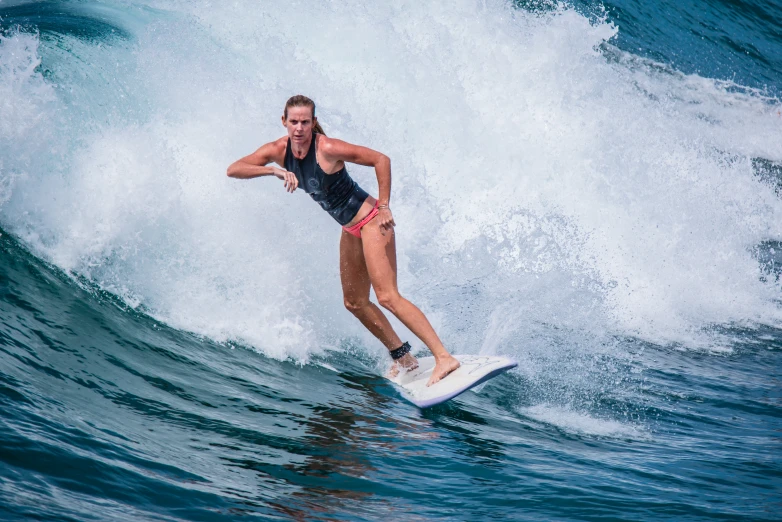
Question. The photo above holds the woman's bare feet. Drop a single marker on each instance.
(408, 362)
(443, 367)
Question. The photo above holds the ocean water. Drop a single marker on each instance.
(592, 188)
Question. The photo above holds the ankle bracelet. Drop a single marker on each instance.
(400, 352)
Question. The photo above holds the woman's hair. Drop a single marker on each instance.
(302, 101)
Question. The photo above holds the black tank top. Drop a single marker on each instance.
(336, 193)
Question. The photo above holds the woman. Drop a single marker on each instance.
(367, 251)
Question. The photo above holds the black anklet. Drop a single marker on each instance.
(400, 352)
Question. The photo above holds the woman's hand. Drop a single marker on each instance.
(386, 220)
(291, 183)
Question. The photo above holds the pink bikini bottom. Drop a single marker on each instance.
(356, 229)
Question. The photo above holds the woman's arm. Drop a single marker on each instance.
(255, 165)
(335, 151)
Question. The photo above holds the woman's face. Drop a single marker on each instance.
(299, 123)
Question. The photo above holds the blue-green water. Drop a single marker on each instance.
(592, 189)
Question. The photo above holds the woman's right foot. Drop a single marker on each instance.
(442, 368)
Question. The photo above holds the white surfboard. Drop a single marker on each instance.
(474, 370)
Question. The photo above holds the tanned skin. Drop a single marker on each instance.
(365, 262)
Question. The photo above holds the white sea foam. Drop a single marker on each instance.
(544, 194)
(584, 424)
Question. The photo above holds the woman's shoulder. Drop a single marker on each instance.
(330, 146)
(281, 143)
(278, 146)
(272, 151)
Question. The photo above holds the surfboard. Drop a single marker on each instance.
(474, 370)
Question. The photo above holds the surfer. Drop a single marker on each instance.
(367, 248)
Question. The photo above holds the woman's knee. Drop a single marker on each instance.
(354, 306)
(389, 300)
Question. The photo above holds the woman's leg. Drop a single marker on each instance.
(380, 262)
(355, 290)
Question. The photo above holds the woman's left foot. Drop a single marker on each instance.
(442, 368)
(406, 363)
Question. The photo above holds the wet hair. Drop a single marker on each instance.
(302, 101)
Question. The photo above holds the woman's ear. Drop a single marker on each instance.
(283, 121)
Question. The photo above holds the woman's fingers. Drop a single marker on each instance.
(291, 183)
(386, 221)
(288, 178)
